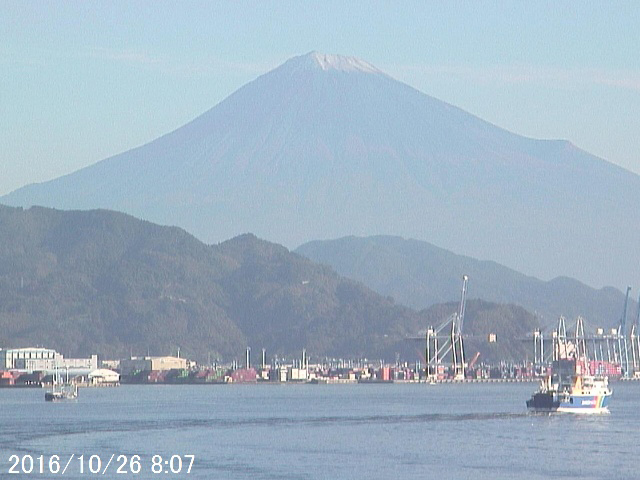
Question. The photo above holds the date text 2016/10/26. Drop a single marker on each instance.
(122, 464)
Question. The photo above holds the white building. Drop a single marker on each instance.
(104, 376)
(29, 359)
(38, 359)
(90, 363)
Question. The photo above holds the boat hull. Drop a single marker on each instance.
(583, 404)
(62, 394)
(52, 397)
(543, 402)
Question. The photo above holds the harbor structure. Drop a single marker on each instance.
(447, 338)
(139, 364)
(39, 359)
(29, 359)
(103, 377)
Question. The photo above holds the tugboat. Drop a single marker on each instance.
(571, 388)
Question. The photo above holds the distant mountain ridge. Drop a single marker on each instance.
(103, 282)
(419, 275)
(326, 146)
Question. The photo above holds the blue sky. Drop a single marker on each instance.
(81, 81)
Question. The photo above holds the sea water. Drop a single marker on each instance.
(381, 431)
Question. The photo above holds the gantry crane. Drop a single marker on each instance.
(622, 338)
(439, 343)
(635, 342)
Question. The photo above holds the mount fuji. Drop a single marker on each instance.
(326, 146)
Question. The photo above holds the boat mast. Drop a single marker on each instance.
(457, 344)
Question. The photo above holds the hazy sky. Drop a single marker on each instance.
(81, 81)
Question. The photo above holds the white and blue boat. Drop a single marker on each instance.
(568, 390)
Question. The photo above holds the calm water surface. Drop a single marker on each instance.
(471, 431)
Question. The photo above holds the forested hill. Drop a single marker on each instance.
(104, 282)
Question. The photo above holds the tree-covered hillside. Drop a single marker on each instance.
(100, 281)
(103, 282)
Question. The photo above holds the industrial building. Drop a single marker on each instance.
(38, 359)
(139, 364)
(90, 363)
(29, 359)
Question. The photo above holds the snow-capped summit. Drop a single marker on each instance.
(326, 62)
(341, 63)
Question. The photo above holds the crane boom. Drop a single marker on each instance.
(463, 302)
(453, 342)
(638, 315)
(622, 339)
(473, 361)
(623, 320)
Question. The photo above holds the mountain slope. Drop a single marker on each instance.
(419, 274)
(103, 282)
(327, 146)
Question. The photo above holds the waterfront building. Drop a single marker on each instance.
(134, 365)
(110, 364)
(90, 363)
(297, 374)
(104, 376)
(39, 359)
(29, 359)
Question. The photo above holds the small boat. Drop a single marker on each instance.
(568, 390)
(61, 391)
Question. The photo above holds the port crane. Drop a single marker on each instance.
(610, 348)
(565, 346)
(447, 338)
(622, 338)
(634, 337)
(539, 362)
